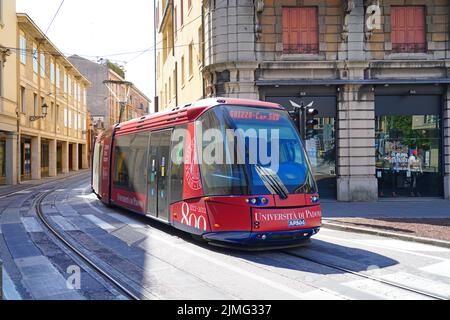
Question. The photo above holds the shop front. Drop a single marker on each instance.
(409, 145)
(321, 146)
(45, 158)
(25, 161)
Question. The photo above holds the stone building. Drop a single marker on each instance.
(51, 110)
(179, 52)
(377, 71)
(8, 93)
(103, 106)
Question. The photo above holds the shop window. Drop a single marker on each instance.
(408, 29)
(300, 30)
(408, 155)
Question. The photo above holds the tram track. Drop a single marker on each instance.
(366, 276)
(77, 252)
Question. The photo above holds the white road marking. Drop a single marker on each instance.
(381, 290)
(362, 242)
(413, 281)
(64, 224)
(441, 269)
(247, 274)
(9, 290)
(31, 224)
(99, 222)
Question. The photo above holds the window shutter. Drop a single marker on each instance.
(408, 29)
(300, 30)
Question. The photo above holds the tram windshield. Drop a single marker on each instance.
(252, 151)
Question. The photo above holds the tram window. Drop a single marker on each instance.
(177, 171)
(221, 178)
(130, 162)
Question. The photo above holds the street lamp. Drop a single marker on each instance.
(44, 113)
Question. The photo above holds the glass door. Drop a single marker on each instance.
(158, 175)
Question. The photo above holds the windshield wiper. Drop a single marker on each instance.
(272, 182)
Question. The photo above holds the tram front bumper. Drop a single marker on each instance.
(261, 239)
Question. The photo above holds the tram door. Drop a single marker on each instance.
(158, 175)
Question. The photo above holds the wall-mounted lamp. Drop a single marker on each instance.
(412, 91)
(44, 113)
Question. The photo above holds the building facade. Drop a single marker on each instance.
(103, 104)
(179, 52)
(8, 93)
(377, 71)
(51, 108)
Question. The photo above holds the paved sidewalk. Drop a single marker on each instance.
(5, 190)
(398, 208)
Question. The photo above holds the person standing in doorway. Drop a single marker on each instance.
(414, 169)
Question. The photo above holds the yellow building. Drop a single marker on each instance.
(138, 103)
(179, 52)
(52, 109)
(8, 92)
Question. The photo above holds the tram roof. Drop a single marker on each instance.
(185, 113)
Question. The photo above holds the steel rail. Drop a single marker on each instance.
(71, 247)
(386, 282)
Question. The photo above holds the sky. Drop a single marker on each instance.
(102, 29)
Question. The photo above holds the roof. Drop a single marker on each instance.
(185, 113)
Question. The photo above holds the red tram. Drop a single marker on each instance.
(159, 165)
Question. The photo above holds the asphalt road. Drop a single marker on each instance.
(157, 262)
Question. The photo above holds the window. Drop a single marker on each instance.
(42, 61)
(79, 121)
(183, 76)
(23, 49)
(85, 96)
(175, 22)
(35, 103)
(52, 107)
(408, 29)
(130, 160)
(35, 59)
(69, 85)
(200, 46)
(75, 121)
(177, 169)
(66, 80)
(52, 72)
(157, 16)
(70, 118)
(42, 103)
(191, 59)
(58, 77)
(23, 100)
(181, 13)
(300, 30)
(170, 89)
(65, 117)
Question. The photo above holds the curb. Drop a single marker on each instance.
(434, 242)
